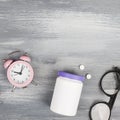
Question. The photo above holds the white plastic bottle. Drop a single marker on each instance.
(67, 94)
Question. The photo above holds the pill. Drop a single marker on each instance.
(88, 76)
(82, 67)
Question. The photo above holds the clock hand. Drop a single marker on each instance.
(16, 72)
(21, 69)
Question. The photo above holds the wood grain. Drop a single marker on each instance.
(59, 35)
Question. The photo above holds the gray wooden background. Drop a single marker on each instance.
(59, 35)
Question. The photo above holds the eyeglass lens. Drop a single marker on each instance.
(110, 83)
(100, 111)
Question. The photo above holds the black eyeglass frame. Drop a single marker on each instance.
(112, 96)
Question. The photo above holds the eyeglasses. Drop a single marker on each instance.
(110, 85)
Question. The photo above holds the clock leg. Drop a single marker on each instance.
(34, 83)
(13, 88)
(24, 87)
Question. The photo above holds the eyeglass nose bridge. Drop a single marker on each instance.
(112, 100)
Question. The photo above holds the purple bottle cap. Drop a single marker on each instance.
(71, 76)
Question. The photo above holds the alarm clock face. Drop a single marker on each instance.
(20, 74)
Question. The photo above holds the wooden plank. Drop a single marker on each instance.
(59, 35)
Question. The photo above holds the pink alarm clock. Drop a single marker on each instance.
(19, 72)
